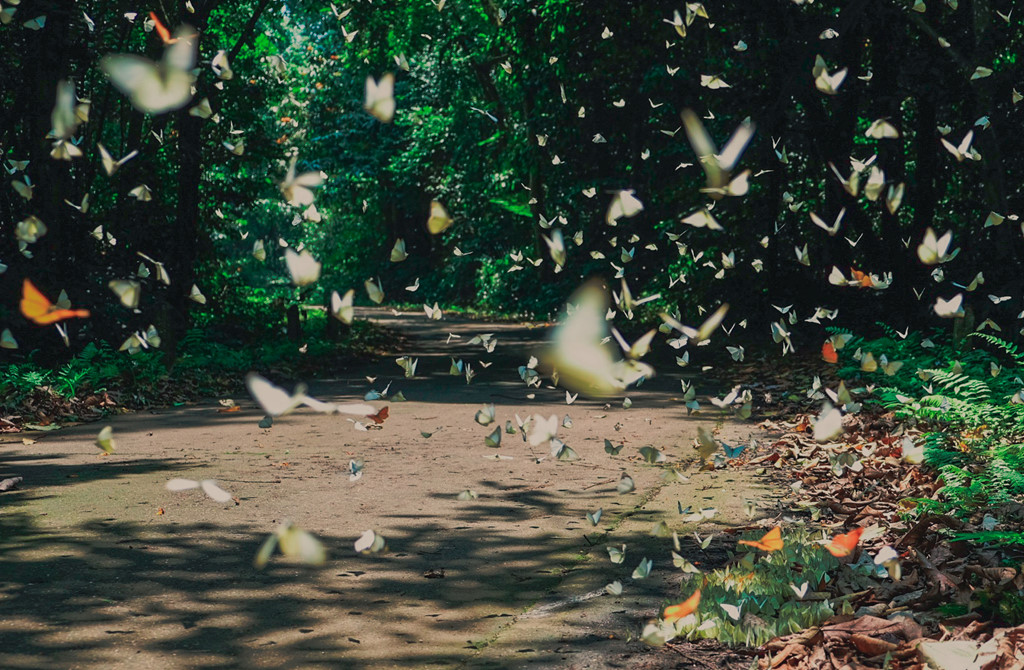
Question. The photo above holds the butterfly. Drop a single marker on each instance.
(275, 401)
(703, 218)
(342, 308)
(434, 313)
(110, 166)
(825, 82)
(733, 452)
(894, 198)
(843, 545)
(713, 81)
(771, 541)
(828, 424)
(882, 129)
(380, 416)
(156, 88)
(485, 416)
(39, 310)
(105, 440)
(439, 220)
(380, 97)
(583, 362)
(65, 119)
(303, 268)
(949, 309)
(294, 543)
(828, 352)
(643, 570)
(7, 340)
(127, 290)
(934, 250)
(209, 487)
(623, 205)
(683, 609)
(718, 166)
(297, 188)
(876, 182)
(963, 150)
(698, 335)
(834, 228)
(374, 290)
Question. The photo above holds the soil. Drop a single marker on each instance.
(102, 567)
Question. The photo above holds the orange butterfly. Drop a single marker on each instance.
(162, 30)
(842, 545)
(379, 416)
(39, 310)
(866, 280)
(772, 540)
(683, 609)
(828, 352)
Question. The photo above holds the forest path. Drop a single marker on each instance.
(92, 576)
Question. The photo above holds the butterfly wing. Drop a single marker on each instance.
(215, 492)
(771, 541)
(178, 484)
(380, 416)
(683, 609)
(274, 400)
(127, 72)
(843, 545)
(34, 305)
(37, 308)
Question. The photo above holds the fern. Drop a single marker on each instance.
(961, 385)
(1010, 349)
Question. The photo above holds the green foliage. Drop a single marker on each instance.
(207, 363)
(760, 586)
(968, 405)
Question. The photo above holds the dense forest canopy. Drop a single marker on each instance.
(528, 122)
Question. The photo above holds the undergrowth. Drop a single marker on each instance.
(207, 363)
(761, 596)
(966, 399)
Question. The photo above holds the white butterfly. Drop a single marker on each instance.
(623, 205)
(156, 88)
(297, 189)
(828, 424)
(275, 401)
(952, 308)
(583, 362)
(698, 335)
(963, 150)
(209, 487)
(834, 228)
(380, 97)
(825, 82)
(717, 166)
(934, 250)
(127, 290)
(303, 268)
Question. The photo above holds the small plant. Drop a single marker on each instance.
(761, 596)
(969, 406)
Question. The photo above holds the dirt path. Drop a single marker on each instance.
(92, 576)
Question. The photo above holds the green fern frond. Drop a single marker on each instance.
(962, 386)
(1009, 348)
